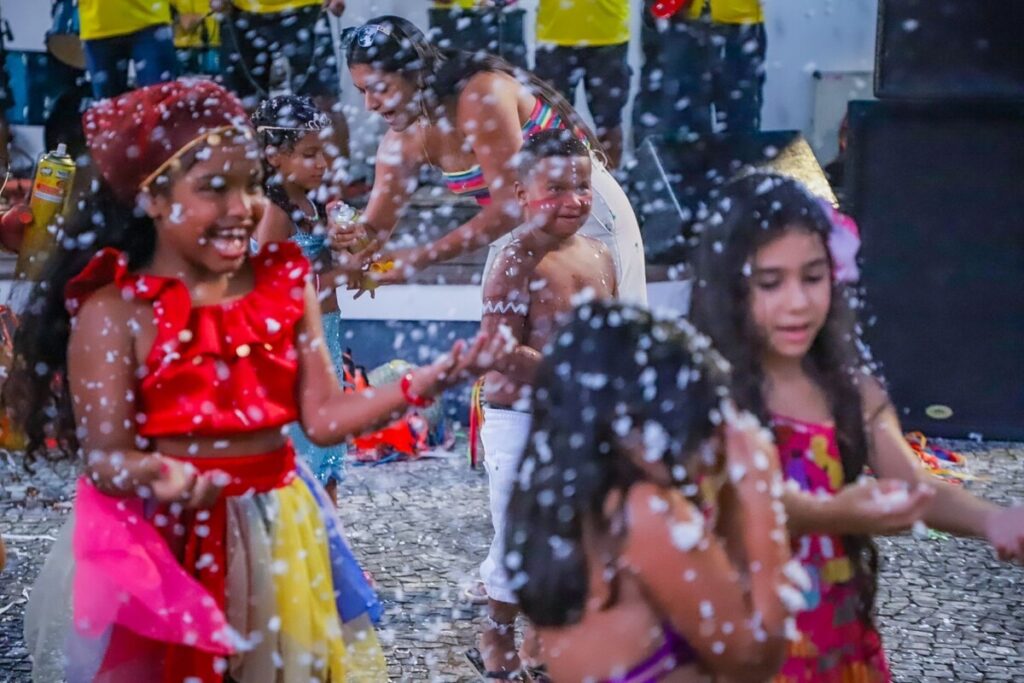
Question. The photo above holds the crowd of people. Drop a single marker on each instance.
(675, 499)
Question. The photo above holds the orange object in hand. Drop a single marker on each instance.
(369, 283)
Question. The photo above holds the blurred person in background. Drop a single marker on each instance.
(703, 69)
(588, 41)
(116, 33)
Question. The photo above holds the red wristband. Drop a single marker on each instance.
(411, 398)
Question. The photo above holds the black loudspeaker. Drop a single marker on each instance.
(937, 194)
(673, 182)
(950, 49)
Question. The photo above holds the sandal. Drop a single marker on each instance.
(477, 660)
(476, 593)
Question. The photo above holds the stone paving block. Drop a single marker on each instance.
(947, 609)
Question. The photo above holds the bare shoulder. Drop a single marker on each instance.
(601, 250)
(106, 319)
(105, 303)
(650, 512)
(489, 84)
(511, 270)
(275, 226)
(487, 95)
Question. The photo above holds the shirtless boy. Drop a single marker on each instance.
(538, 277)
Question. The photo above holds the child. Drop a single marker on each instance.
(619, 572)
(768, 297)
(198, 549)
(291, 130)
(534, 279)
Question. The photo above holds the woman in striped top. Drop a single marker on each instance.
(468, 116)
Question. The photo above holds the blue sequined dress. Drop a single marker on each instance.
(328, 463)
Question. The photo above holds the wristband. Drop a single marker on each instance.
(411, 398)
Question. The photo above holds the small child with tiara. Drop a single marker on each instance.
(293, 134)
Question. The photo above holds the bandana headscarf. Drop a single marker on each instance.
(136, 136)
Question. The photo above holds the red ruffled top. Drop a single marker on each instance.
(213, 370)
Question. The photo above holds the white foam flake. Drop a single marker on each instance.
(792, 599)
(686, 535)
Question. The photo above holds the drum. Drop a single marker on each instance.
(36, 81)
(62, 40)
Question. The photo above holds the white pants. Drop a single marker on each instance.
(613, 222)
(504, 436)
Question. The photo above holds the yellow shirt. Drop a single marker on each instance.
(464, 4)
(188, 32)
(109, 18)
(730, 11)
(583, 22)
(271, 6)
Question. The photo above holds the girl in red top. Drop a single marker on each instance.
(771, 296)
(170, 359)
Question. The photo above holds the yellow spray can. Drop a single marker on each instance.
(50, 192)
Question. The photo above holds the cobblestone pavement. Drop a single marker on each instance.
(949, 611)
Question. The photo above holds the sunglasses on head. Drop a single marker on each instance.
(363, 36)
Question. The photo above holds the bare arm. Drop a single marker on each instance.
(953, 508)
(861, 508)
(329, 415)
(399, 158)
(736, 631)
(488, 116)
(102, 364)
(506, 311)
(274, 226)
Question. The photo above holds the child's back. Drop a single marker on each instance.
(624, 579)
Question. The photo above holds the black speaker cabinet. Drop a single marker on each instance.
(950, 49)
(938, 193)
(673, 182)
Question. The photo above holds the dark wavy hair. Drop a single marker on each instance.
(35, 394)
(750, 213)
(611, 369)
(395, 45)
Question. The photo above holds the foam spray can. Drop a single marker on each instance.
(339, 213)
(50, 192)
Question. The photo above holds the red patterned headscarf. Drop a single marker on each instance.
(136, 136)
